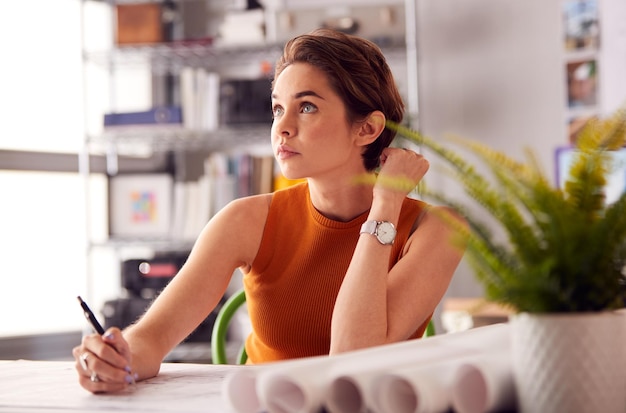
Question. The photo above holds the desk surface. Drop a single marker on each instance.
(436, 369)
(37, 386)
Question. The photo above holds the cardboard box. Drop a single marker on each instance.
(138, 23)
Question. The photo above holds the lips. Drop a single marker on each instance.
(285, 152)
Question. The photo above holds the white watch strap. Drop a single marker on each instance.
(369, 227)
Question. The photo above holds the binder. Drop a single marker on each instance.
(160, 115)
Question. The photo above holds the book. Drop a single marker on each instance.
(159, 115)
(199, 91)
(188, 93)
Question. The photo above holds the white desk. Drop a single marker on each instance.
(40, 386)
(436, 369)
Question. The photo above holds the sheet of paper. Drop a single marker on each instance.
(29, 386)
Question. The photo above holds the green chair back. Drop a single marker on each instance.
(220, 329)
(224, 316)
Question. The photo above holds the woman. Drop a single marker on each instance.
(319, 278)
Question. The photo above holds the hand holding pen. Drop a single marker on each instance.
(103, 360)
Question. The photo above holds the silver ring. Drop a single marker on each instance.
(83, 361)
(94, 377)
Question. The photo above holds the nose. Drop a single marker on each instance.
(284, 126)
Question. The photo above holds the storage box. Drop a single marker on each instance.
(139, 23)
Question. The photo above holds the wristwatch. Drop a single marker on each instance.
(384, 231)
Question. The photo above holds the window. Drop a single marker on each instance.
(42, 219)
(43, 244)
(41, 100)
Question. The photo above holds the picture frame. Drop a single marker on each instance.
(582, 83)
(140, 205)
(580, 24)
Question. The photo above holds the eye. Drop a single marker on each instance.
(277, 111)
(308, 108)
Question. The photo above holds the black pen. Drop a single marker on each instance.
(90, 317)
(98, 328)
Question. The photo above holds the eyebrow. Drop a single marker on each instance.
(302, 94)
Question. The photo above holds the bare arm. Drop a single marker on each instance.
(377, 306)
(230, 240)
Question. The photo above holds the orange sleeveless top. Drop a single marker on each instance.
(295, 278)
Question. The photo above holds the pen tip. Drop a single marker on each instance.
(80, 300)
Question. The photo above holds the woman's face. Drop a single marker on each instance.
(311, 135)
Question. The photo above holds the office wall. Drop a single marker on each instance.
(494, 71)
(490, 70)
(612, 15)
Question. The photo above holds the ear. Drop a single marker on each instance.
(368, 130)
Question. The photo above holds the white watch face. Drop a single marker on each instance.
(385, 232)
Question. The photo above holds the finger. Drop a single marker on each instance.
(106, 372)
(383, 158)
(113, 338)
(81, 355)
(104, 349)
(86, 377)
(99, 386)
(82, 360)
(97, 355)
(391, 150)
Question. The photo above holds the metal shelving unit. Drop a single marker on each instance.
(114, 145)
(163, 139)
(171, 57)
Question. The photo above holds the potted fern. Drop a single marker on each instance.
(560, 268)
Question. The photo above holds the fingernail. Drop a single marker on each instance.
(109, 336)
(127, 369)
(136, 376)
(129, 379)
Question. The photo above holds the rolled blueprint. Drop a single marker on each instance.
(484, 384)
(353, 390)
(239, 390)
(305, 385)
(414, 389)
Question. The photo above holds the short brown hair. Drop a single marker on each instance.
(358, 72)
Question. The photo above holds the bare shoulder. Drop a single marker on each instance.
(439, 224)
(439, 215)
(245, 213)
(238, 227)
(250, 204)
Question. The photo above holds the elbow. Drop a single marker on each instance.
(345, 344)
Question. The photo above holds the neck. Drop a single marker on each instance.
(341, 201)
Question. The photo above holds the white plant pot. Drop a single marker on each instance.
(574, 363)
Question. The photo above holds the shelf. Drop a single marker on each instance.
(300, 5)
(172, 57)
(133, 140)
(161, 245)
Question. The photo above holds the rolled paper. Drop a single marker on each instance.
(293, 385)
(350, 391)
(484, 384)
(304, 385)
(424, 389)
(239, 390)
